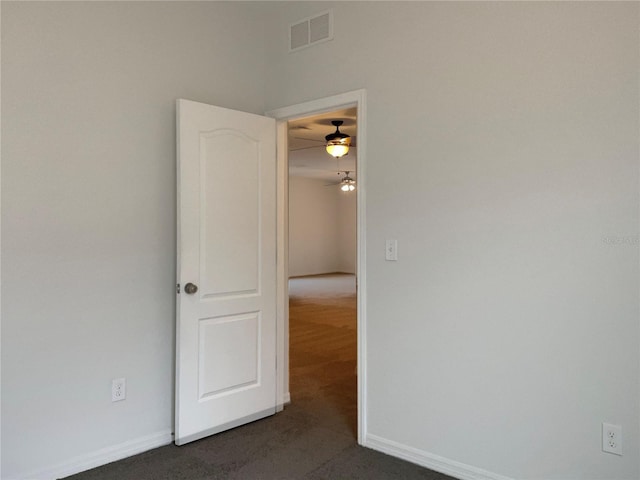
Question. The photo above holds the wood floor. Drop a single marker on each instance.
(323, 343)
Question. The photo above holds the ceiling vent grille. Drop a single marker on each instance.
(311, 30)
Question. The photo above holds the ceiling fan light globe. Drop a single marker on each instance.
(337, 149)
(344, 188)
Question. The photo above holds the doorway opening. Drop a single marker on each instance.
(355, 99)
(322, 218)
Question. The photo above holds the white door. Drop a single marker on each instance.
(226, 330)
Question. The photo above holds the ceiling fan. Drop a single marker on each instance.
(338, 143)
(347, 184)
(336, 138)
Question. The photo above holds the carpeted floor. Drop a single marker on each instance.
(315, 436)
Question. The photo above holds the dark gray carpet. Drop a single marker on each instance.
(313, 438)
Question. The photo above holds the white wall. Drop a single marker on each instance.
(321, 228)
(88, 212)
(347, 229)
(503, 156)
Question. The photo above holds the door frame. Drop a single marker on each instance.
(355, 98)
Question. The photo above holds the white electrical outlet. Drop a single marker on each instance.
(612, 438)
(118, 389)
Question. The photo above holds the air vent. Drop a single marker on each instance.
(299, 35)
(311, 30)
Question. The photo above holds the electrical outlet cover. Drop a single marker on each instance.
(118, 389)
(612, 438)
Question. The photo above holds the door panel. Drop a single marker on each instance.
(226, 331)
(229, 354)
(230, 215)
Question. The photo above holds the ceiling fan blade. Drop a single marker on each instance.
(305, 148)
(308, 139)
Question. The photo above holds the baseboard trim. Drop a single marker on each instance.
(101, 457)
(430, 460)
(287, 398)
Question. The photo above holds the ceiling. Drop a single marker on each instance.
(307, 154)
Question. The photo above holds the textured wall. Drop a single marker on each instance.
(88, 210)
(502, 154)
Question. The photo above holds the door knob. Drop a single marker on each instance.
(190, 288)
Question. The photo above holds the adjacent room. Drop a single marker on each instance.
(322, 265)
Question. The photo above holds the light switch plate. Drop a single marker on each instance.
(391, 250)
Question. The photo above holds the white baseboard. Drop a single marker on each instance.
(101, 457)
(287, 398)
(429, 460)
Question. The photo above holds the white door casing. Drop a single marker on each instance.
(226, 331)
